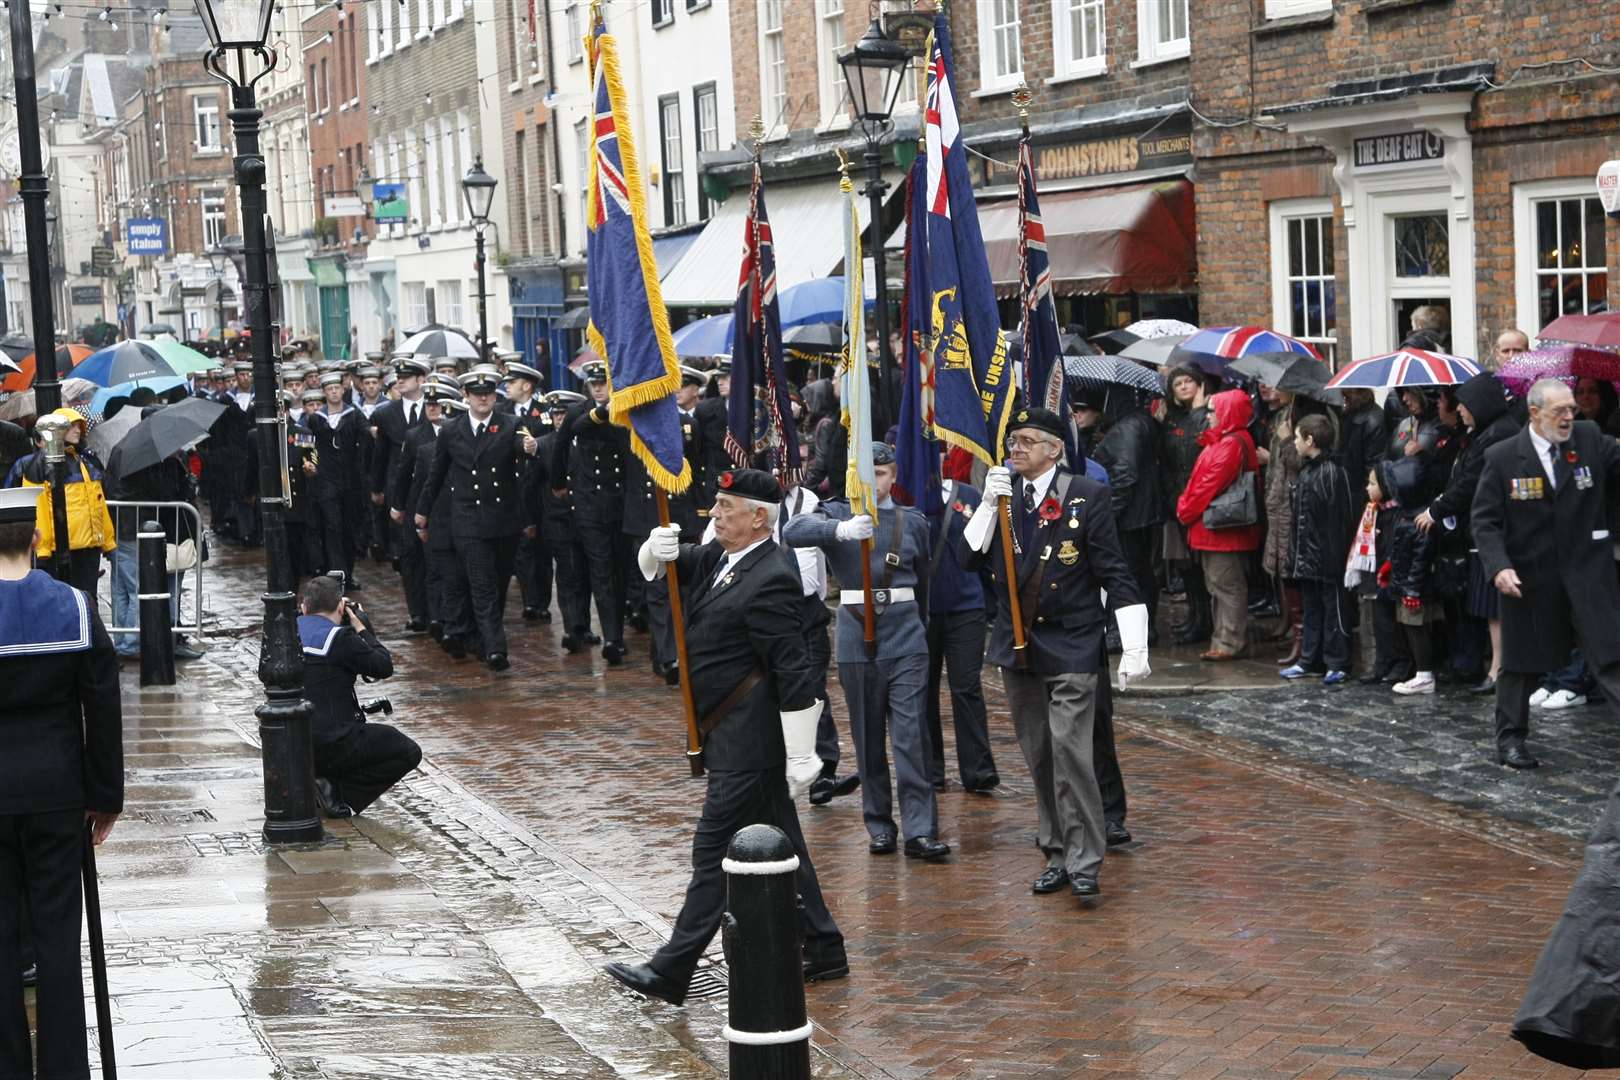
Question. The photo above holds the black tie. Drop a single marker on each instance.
(1029, 498)
(478, 432)
(410, 418)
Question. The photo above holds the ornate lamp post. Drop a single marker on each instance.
(33, 186)
(237, 30)
(217, 258)
(875, 70)
(479, 188)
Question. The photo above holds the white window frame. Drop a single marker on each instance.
(674, 159)
(669, 13)
(1285, 9)
(404, 38)
(574, 31)
(205, 104)
(212, 204)
(990, 80)
(430, 140)
(385, 30)
(582, 150)
(454, 202)
(1525, 198)
(773, 100)
(1282, 212)
(1067, 63)
(451, 311)
(1149, 50)
(413, 301)
(833, 92)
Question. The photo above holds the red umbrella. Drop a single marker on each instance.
(1599, 331)
(67, 358)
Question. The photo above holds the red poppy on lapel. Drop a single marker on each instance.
(1571, 457)
(493, 428)
(959, 508)
(1050, 510)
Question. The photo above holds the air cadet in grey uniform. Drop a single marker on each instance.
(884, 693)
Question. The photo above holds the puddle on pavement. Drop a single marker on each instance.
(351, 1001)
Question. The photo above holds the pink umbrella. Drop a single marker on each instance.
(1599, 331)
(1566, 362)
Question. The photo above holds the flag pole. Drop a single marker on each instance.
(1021, 97)
(677, 619)
(855, 351)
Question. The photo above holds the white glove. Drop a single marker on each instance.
(997, 483)
(663, 545)
(799, 737)
(1133, 638)
(981, 527)
(858, 527)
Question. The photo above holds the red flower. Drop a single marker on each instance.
(959, 508)
(1571, 457)
(725, 479)
(1050, 510)
(493, 428)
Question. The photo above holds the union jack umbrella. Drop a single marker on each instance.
(1210, 350)
(1404, 367)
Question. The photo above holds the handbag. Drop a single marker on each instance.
(181, 556)
(1236, 507)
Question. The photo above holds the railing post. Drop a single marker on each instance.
(767, 1025)
(157, 628)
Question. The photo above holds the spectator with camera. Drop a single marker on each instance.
(355, 761)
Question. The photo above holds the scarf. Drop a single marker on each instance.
(1364, 549)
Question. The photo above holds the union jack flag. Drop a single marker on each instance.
(756, 361)
(1043, 374)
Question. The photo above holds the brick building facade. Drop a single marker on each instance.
(1386, 153)
(336, 117)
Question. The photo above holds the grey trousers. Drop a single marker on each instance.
(1053, 717)
(885, 702)
(1229, 597)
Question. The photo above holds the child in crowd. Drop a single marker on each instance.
(1406, 576)
(1323, 524)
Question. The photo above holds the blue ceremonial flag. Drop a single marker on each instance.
(759, 377)
(629, 327)
(973, 383)
(1043, 369)
(916, 449)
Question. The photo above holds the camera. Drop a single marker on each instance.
(377, 705)
(354, 605)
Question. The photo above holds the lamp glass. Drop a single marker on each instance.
(50, 227)
(236, 24)
(479, 188)
(366, 184)
(875, 69)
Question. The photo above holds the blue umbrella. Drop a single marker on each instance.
(706, 337)
(128, 361)
(159, 385)
(820, 300)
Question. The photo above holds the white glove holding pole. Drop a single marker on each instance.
(1133, 640)
(663, 545)
(858, 527)
(799, 736)
(982, 525)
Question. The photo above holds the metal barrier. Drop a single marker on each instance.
(186, 605)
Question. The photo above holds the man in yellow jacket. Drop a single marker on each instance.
(90, 527)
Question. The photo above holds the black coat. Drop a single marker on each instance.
(484, 475)
(167, 481)
(1559, 543)
(1179, 449)
(390, 425)
(1129, 450)
(752, 621)
(1363, 442)
(333, 659)
(830, 461)
(1325, 512)
(1082, 557)
(337, 463)
(541, 504)
(641, 502)
(61, 721)
(1409, 550)
(1493, 423)
(415, 466)
(713, 460)
(587, 459)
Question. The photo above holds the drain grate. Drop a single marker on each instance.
(174, 817)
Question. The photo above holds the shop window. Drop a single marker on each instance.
(1304, 289)
(1560, 251)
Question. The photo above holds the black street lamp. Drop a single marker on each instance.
(237, 30)
(33, 186)
(875, 70)
(217, 258)
(479, 188)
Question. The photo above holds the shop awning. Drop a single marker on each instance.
(670, 249)
(806, 224)
(1135, 238)
(328, 275)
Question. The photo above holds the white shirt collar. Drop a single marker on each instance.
(1041, 483)
(733, 558)
(1544, 451)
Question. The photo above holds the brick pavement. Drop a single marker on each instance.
(1280, 915)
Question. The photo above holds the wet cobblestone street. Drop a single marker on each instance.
(1322, 884)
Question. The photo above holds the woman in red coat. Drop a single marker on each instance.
(1228, 454)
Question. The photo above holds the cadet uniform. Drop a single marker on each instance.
(337, 490)
(533, 568)
(555, 514)
(884, 695)
(302, 517)
(480, 459)
(443, 584)
(589, 453)
(390, 423)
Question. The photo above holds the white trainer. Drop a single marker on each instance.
(1539, 698)
(1418, 684)
(1563, 699)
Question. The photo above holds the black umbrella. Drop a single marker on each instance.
(1113, 341)
(1077, 345)
(167, 431)
(1289, 371)
(16, 346)
(815, 337)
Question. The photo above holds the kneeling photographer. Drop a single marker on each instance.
(355, 762)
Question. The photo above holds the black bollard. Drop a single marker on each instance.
(768, 1030)
(157, 633)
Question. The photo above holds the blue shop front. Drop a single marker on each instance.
(536, 292)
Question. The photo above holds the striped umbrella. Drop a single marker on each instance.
(1209, 350)
(1405, 367)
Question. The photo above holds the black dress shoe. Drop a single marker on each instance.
(416, 626)
(826, 969)
(672, 676)
(435, 630)
(882, 844)
(1372, 677)
(1485, 686)
(927, 848)
(613, 652)
(498, 662)
(827, 788)
(1051, 880)
(30, 975)
(332, 804)
(1116, 833)
(983, 787)
(1517, 757)
(455, 648)
(941, 785)
(1084, 885)
(590, 639)
(638, 623)
(1189, 635)
(645, 981)
(532, 614)
(571, 644)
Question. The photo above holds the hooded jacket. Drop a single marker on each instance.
(1228, 454)
(1129, 450)
(1493, 423)
(1410, 550)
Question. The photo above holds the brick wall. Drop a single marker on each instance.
(530, 167)
(338, 133)
(183, 174)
